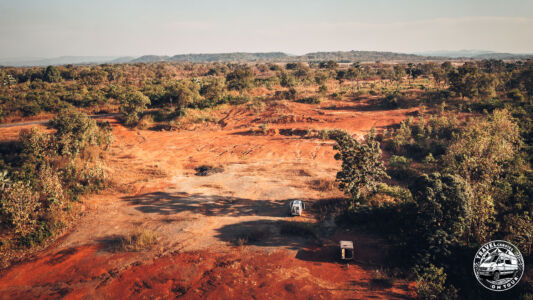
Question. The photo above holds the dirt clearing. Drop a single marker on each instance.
(218, 236)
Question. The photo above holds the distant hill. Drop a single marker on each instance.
(62, 60)
(236, 56)
(476, 54)
(339, 56)
(504, 56)
(149, 59)
(362, 56)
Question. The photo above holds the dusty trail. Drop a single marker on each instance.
(198, 219)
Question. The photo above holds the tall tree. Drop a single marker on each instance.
(362, 166)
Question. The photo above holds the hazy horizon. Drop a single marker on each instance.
(48, 29)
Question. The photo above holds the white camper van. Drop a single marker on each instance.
(296, 208)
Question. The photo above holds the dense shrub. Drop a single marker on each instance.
(18, 207)
(362, 168)
(431, 285)
(46, 172)
(132, 105)
(75, 131)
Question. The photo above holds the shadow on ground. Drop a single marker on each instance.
(209, 205)
(270, 233)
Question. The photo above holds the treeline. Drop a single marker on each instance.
(29, 91)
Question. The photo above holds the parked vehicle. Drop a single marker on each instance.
(296, 207)
(347, 251)
(498, 264)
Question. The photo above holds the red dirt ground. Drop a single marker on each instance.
(197, 219)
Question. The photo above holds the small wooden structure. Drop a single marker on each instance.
(347, 251)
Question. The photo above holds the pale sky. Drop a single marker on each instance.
(51, 28)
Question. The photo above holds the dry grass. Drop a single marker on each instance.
(145, 122)
(300, 172)
(252, 236)
(140, 240)
(197, 116)
(213, 186)
(154, 171)
(323, 185)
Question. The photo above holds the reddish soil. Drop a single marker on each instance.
(198, 219)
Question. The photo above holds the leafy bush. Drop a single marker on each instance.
(444, 212)
(431, 285)
(236, 100)
(311, 100)
(132, 105)
(240, 79)
(75, 131)
(290, 94)
(518, 230)
(399, 167)
(362, 167)
(18, 207)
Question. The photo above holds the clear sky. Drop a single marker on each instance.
(49, 28)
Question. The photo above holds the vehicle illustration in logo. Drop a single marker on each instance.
(498, 265)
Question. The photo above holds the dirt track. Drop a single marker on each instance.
(198, 219)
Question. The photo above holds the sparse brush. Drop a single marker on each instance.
(145, 122)
(206, 170)
(264, 128)
(141, 240)
(323, 184)
(252, 236)
(311, 100)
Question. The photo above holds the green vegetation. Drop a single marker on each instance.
(460, 167)
(362, 167)
(470, 179)
(45, 173)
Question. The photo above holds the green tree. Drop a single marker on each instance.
(302, 71)
(132, 105)
(469, 81)
(213, 89)
(362, 166)
(526, 80)
(431, 285)
(240, 79)
(484, 148)
(321, 78)
(354, 73)
(52, 74)
(398, 75)
(287, 80)
(443, 211)
(183, 93)
(330, 64)
(75, 131)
